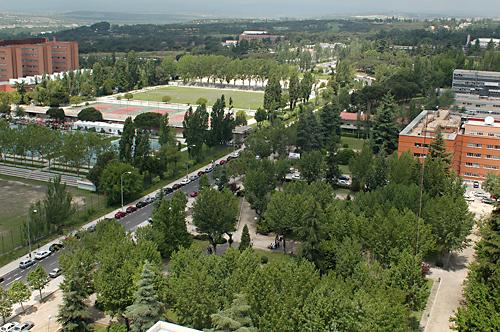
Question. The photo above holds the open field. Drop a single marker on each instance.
(18, 194)
(352, 142)
(187, 95)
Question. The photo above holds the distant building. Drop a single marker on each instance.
(484, 42)
(36, 56)
(352, 122)
(472, 141)
(477, 90)
(99, 127)
(230, 43)
(258, 35)
(241, 133)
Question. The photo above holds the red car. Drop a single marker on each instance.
(200, 173)
(194, 194)
(120, 214)
(131, 209)
(222, 162)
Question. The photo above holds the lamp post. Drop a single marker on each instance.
(29, 234)
(48, 323)
(121, 185)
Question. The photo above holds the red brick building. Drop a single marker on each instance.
(36, 56)
(473, 141)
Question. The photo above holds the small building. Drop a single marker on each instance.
(169, 327)
(352, 122)
(241, 133)
(99, 127)
(230, 43)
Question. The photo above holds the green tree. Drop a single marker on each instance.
(202, 101)
(127, 141)
(294, 92)
(57, 204)
(306, 86)
(128, 96)
(164, 132)
(245, 241)
(169, 224)
(19, 292)
(260, 115)
(312, 166)
(272, 94)
(38, 279)
(332, 170)
(214, 214)
(241, 118)
(148, 121)
(5, 305)
(56, 113)
(90, 114)
(166, 99)
(73, 313)
(308, 131)
(195, 129)
(142, 150)
(385, 131)
(102, 160)
(235, 318)
(110, 182)
(258, 183)
(146, 310)
(329, 122)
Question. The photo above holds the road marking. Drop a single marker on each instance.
(18, 278)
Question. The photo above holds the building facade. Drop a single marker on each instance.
(258, 35)
(36, 56)
(472, 141)
(477, 91)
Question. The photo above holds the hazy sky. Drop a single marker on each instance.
(261, 8)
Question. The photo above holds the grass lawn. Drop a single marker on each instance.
(352, 142)
(344, 169)
(184, 95)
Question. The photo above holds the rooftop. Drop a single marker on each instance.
(169, 327)
(427, 122)
(254, 32)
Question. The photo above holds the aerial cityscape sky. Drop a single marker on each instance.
(262, 8)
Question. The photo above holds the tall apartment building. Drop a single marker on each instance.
(472, 141)
(36, 56)
(477, 91)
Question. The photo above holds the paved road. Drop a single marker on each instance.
(130, 223)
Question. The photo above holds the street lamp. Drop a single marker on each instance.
(29, 234)
(48, 323)
(121, 184)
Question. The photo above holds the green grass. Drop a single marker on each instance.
(184, 95)
(352, 142)
(344, 169)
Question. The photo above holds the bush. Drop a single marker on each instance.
(148, 120)
(118, 327)
(202, 101)
(344, 156)
(90, 114)
(264, 259)
(128, 96)
(345, 146)
(166, 99)
(56, 113)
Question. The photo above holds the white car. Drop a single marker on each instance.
(42, 254)
(26, 326)
(235, 154)
(55, 273)
(185, 181)
(468, 198)
(296, 176)
(8, 327)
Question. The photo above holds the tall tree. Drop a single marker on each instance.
(195, 129)
(214, 214)
(329, 121)
(146, 310)
(38, 279)
(164, 133)
(5, 305)
(126, 143)
(57, 205)
(235, 318)
(306, 86)
(272, 94)
(110, 182)
(332, 170)
(308, 131)
(73, 313)
(142, 150)
(294, 92)
(245, 241)
(169, 224)
(385, 130)
(312, 166)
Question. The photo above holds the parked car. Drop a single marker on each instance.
(120, 214)
(185, 181)
(209, 169)
(475, 184)
(55, 273)
(193, 177)
(42, 254)
(56, 246)
(2, 279)
(235, 154)
(140, 204)
(222, 162)
(176, 186)
(194, 194)
(468, 198)
(26, 326)
(200, 173)
(131, 209)
(167, 190)
(487, 200)
(8, 327)
(149, 200)
(91, 228)
(24, 264)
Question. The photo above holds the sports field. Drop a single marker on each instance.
(187, 95)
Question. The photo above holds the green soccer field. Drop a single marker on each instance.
(182, 95)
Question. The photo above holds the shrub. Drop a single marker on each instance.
(202, 101)
(264, 259)
(90, 114)
(56, 113)
(166, 99)
(344, 156)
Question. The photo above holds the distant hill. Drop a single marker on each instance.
(127, 18)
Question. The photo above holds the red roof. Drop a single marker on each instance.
(347, 116)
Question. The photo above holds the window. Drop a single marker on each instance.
(491, 167)
(471, 174)
(489, 146)
(474, 145)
